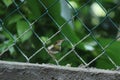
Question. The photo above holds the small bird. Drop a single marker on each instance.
(56, 47)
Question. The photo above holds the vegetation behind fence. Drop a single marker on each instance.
(30, 31)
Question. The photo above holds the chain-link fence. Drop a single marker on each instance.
(63, 32)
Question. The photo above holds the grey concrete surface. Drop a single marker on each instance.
(27, 71)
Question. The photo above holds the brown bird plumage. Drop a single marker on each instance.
(56, 47)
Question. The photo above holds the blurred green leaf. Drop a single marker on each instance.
(113, 51)
(22, 26)
(7, 2)
(34, 10)
(14, 19)
(71, 59)
(5, 45)
(104, 63)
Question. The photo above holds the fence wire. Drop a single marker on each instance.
(31, 31)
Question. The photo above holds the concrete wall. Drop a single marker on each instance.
(27, 71)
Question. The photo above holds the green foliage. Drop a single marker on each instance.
(110, 51)
(22, 26)
(7, 2)
(25, 28)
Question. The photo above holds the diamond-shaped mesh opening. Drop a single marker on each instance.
(29, 13)
(113, 52)
(7, 8)
(88, 49)
(103, 31)
(14, 53)
(30, 48)
(67, 60)
(51, 8)
(103, 63)
(42, 25)
(41, 57)
(9, 24)
(91, 14)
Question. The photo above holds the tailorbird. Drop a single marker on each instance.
(56, 47)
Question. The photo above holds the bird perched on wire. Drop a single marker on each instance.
(56, 47)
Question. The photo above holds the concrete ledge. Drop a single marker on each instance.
(27, 71)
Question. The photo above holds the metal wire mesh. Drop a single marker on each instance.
(28, 29)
